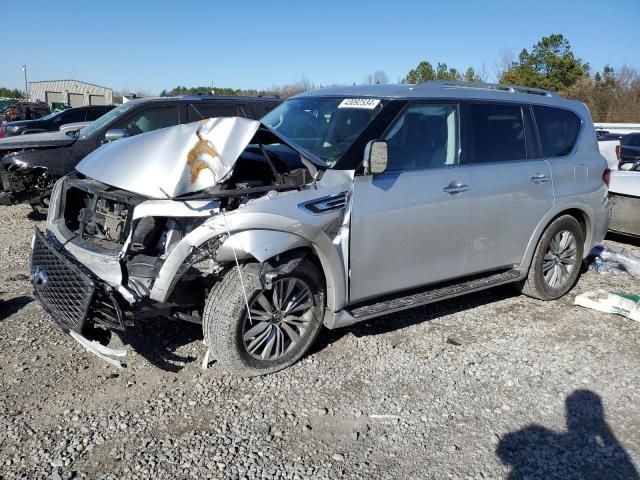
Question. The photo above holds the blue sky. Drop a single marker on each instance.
(249, 44)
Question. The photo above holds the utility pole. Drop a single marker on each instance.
(26, 85)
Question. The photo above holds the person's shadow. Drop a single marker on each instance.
(588, 450)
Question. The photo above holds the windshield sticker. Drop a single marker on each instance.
(364, 103)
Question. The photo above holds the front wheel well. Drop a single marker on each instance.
(302, 252)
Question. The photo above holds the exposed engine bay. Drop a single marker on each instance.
(101, 218)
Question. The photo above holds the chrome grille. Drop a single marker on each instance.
(625, 215)
(62, 289)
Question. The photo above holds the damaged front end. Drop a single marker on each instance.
(145, 227)
(30, 165)
(99, 261)
(20, 182)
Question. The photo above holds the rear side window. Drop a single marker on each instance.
(497, 133)
(558, 130)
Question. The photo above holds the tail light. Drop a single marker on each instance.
(2, 131)
(618, 151)
(606, 176)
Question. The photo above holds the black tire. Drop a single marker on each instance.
(225, 316)
(535, 284)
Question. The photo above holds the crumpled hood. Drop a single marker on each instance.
(35, 140)
(172, 161)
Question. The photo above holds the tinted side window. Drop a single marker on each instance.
(259, 110)
(203, 111)
(150, 119)
(73, 116)
(631, 140)
(497, 133)
(94, 113)
(558, 130)
(423, 137)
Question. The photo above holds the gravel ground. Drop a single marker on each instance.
(493, 385)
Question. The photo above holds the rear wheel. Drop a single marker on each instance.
(280, 327)
(556, 262)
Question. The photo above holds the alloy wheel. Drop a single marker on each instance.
(560, 259)
(278, 319)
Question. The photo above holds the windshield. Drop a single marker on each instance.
(323, 126)
(105, 119)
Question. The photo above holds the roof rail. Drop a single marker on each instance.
(486, 86)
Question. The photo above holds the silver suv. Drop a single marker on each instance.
(341, 205)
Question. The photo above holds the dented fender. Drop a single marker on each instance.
(259, 244)
(247, 230)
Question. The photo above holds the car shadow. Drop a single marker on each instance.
(157, 339)
(9, 307)
(409, 317)
(36, 216)
(588, 449)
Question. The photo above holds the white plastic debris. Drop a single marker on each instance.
(99, 350)
(615, 260)
(625, 304)
(205, 361)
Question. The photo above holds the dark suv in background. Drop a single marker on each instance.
(55, 120)
(30, 164)
(629, 152)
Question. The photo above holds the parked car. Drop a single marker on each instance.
(629, 152)
(23, 110)
(54, 121)
(30, 164)
(342, 205)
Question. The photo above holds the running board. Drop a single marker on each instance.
(403, 301)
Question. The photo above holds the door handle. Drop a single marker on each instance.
(456, 187)
(540, 178)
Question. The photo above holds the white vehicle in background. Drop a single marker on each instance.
(624, 187)
(624, 194)
(609, 135)
(609, 145)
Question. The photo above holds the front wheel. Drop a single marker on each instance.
(281, 325)
(556, 262)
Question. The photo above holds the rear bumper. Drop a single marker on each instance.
(602, 217)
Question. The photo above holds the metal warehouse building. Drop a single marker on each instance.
(70, 92)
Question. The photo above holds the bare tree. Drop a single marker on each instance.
(504, 63)
(289, 90)
(377, 78)
(484, 76)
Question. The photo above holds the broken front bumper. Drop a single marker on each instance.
(69, 293)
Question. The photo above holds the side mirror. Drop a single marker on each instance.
(375, 157)
(115, 134)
